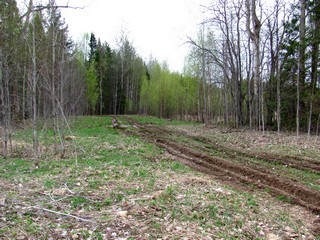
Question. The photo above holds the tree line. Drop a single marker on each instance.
(264, 59)
(251, 64)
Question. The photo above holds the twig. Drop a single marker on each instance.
(140, 199)
(57, 200)
(63, 214)
(24, 233)
(70, 191)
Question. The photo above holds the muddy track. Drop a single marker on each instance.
(294, 191)
(237, 174)
(294, 162)
(288, 161)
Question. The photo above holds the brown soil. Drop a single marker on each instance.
(292, 161)
(238, 174)
(230, 171)
(295, 162)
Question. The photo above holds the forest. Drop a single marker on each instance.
(250, 65)
(99, 143)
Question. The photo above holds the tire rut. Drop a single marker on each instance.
(234, 173)
(289, 161)
(296, 192)
(294, 162)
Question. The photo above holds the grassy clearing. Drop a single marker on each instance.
(124, 188)
(162, 121)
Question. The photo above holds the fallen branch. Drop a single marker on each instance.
(63, 214)
(70, 191)
(57, 200)
(117, 125)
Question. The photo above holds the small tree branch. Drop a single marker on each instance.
(63, 214)
(40, 8)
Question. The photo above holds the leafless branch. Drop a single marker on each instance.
(63, 214)
(40, 8)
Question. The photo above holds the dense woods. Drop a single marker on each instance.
(252, 64)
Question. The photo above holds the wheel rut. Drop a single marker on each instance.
(236, 173)
(229, 171)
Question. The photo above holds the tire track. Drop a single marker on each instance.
(294, 191)
(236, 174)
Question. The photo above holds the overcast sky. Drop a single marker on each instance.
(156, 27)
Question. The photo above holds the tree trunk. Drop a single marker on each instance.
(255, 37)
(225, 103)
(3, 107)
(199, 101)
(256, 40)
(318, 122)
(100, 92)
(249, 97)
(239, 82)
(34, 92)
(53, 92)
(24, 94)
(203, 78)
(314, 61)
(262, 106)
(278, 73)
(301, 64)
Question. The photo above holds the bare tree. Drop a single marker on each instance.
(34, 82)
(255, 38)
(301, 63)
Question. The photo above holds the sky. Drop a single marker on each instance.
(157, 28)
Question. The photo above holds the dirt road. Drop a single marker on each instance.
(236, 167)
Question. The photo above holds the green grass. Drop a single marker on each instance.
(120, 172)
(78, 202)
(284, 198)
(161, 121)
